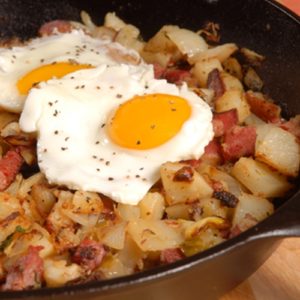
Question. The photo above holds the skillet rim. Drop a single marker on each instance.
(176, 267)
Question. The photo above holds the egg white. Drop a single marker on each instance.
(70, 116)
(74, 47)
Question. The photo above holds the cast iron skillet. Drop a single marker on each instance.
(260, 25)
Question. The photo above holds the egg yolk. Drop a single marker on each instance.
(45, 73)
(145, 122)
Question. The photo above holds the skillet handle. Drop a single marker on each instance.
(285, 222)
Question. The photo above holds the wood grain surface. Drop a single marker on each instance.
(292, 5)
(277, 279)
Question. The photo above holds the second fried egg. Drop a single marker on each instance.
(109, 129)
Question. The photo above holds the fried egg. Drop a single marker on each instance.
(109, 129)
(54, 56)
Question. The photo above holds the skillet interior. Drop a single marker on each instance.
(256, 24)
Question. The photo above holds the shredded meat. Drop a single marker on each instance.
(215, 82)
(213, 153)
(177, 76)
(52, 27)
(224, 121)
(10, 166)
(26, 272)
(168, 256)
(89, 254)
(238, 142)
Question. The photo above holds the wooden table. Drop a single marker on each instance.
(277, 279)
(292, 5)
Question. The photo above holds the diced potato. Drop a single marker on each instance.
(160, 42)
(21, 242)
(87, 220)
(112, 267)
(152, 206)
(56, 219)
(128, 212)
(211, 207)
(154, 235)
(131, 255)
(13, 189)
(128, 36)
(278, 148)
(202, 68)
(253, 120)
(66, 238)
(233, 67)
(11, 129)
(252, 80)
(59, 272)
(259, 179)
(8, 205)
(188, 42)
(86, 203)
(31, 211)
(195, 227)
(231, 82)
(183, 191)
(206, 94)
(6, 118)
(234, 99)
(104, 33)
(27, 184)
(207, 238)
(9, 225)
(206, 207)
(44, 198)
(252, 57)
(203, 234)
(29, 155)
(229, 183)
(114, 236)
(178, 211)
(251, 209)
(161, 58)
(221, 52)
(87, 20)
(113, 21)
(84, 208)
